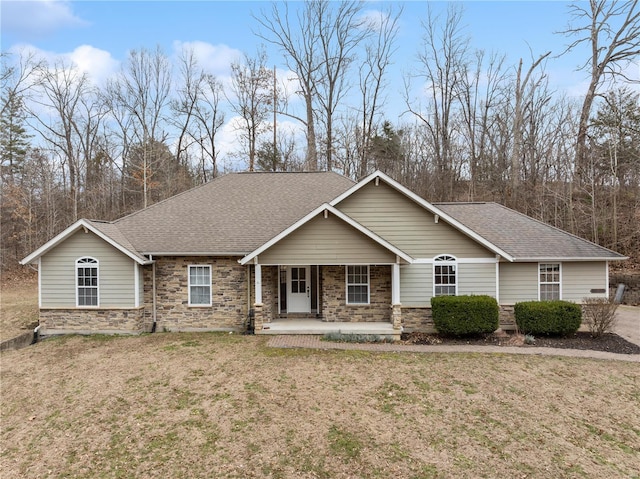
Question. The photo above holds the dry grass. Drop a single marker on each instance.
(227, 406)
(18, 306)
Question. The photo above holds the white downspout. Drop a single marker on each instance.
(153, 293)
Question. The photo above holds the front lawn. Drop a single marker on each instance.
(213, 405)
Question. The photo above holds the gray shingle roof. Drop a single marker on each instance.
(233, 214)
(522, 236)
(112, 231)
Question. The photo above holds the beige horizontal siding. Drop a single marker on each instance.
(416, 282)
(327, 241)
(416, 285)
(407, 225)
(578, 279)
(477, 278)
(518, 282)
(58, 273)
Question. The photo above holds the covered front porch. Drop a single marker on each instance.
(326, 268)
(322, 299)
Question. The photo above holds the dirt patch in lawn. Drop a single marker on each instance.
(610, 342)
(18, 304)
(227, 406)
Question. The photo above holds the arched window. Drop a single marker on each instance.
(87, 282)
(445, 279)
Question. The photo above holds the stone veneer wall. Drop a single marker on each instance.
(421, 319)
(334, 304)
(228, 311)
(65, 321)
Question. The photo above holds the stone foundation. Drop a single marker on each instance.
(334, 302)
(421, 319)
(93, 321)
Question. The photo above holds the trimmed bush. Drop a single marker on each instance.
(465, 315)
(548, 318)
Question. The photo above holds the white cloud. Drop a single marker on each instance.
(214, 59)
(375, 19)
(38, 17)
(98, 64)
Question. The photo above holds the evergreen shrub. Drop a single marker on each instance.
(465, 315)
(548, 318)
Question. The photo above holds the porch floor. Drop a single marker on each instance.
(317, 326)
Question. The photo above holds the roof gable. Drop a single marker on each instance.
(341, 216)
(379, 176)
(105, 231)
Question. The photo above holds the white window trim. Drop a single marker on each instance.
(347, 284)
(199, 305)
(75, 279)
(559, 278)
(436, 262)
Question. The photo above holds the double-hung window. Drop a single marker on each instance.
(87, 282)
(549, 281)
(199, 285)
(445, 280)
(358, 284)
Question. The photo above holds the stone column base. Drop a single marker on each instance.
(258, 317)
(396, 316)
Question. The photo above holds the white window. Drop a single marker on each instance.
(549, 281)
(445, 280)
(199, 285)
(87, 282)
(357, 284)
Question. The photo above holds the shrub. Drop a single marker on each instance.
(548, 318)
(599, 315)
(465, 315)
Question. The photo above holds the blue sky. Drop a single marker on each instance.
(111, 28)
(96, 35)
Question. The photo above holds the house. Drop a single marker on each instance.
(303, 252)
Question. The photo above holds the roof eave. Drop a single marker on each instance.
(570, 258)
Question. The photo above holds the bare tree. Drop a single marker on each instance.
(443, 69)
(519, 108)
(64, 89)
(141, 95)
(251, 85)
(340, 32)
(379, 52)
(611, 29)
(209, 118)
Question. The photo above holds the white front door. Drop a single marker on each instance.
(299, 290)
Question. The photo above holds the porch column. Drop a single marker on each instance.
(395, 283)
(258, 281)
(258, 314)
(396, 310)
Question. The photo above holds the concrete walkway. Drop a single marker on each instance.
(628, 326)
(628, 323)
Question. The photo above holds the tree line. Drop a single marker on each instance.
(476, 128)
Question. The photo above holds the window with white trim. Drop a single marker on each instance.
(549, 281)
(199, 285)
(445, 276)
(87, 282)
(358, 284)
